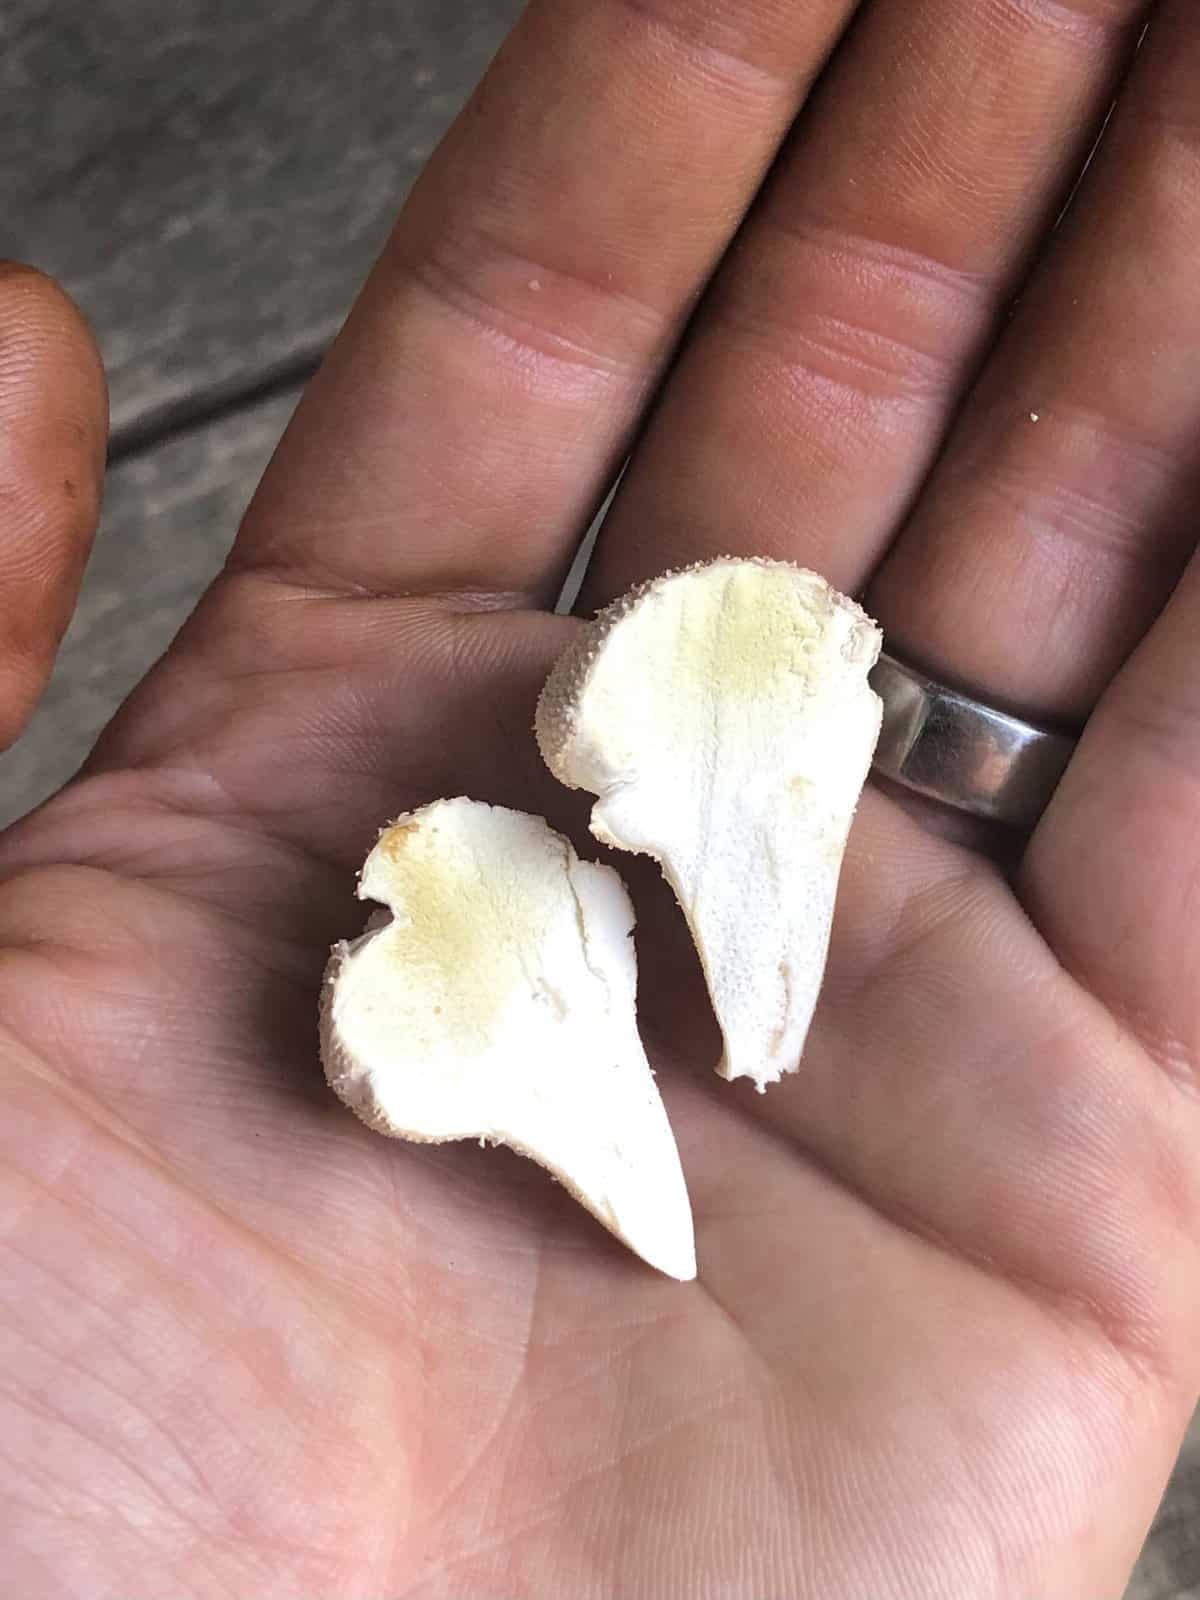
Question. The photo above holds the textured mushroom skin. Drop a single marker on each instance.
(498, 1003)
(723, 717)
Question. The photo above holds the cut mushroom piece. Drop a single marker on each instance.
(498, 1003)
(723, 717)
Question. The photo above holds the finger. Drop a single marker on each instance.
(475, 407)
(1064, 509)
(53, 433)
(1112, 876)
(819, 381)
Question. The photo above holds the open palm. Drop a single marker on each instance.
(943, 1337)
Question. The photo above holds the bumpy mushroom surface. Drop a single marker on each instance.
(724, 719)
(498, 1003)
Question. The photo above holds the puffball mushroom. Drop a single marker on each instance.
(723, 717)
(498, 1003)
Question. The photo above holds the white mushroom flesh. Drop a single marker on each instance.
(499, 1003)
(724, 719)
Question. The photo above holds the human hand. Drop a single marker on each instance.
(943, 1338)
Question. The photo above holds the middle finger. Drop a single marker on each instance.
(821, 375)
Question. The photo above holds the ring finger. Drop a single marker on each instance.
(1063, 511)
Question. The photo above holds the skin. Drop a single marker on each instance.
(946, 1334)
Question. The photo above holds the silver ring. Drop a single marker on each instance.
(941, 743)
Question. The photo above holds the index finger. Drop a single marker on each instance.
(481, 396)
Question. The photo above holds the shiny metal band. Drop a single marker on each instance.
(951, 748)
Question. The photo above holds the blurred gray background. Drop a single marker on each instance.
(211, 180)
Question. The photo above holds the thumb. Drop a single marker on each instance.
(53, 435)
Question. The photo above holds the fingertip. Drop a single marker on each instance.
(53, 443)
(51, 373)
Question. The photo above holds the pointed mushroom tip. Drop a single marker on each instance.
(674, 1257)
(683, 1270)
(761, 1080)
